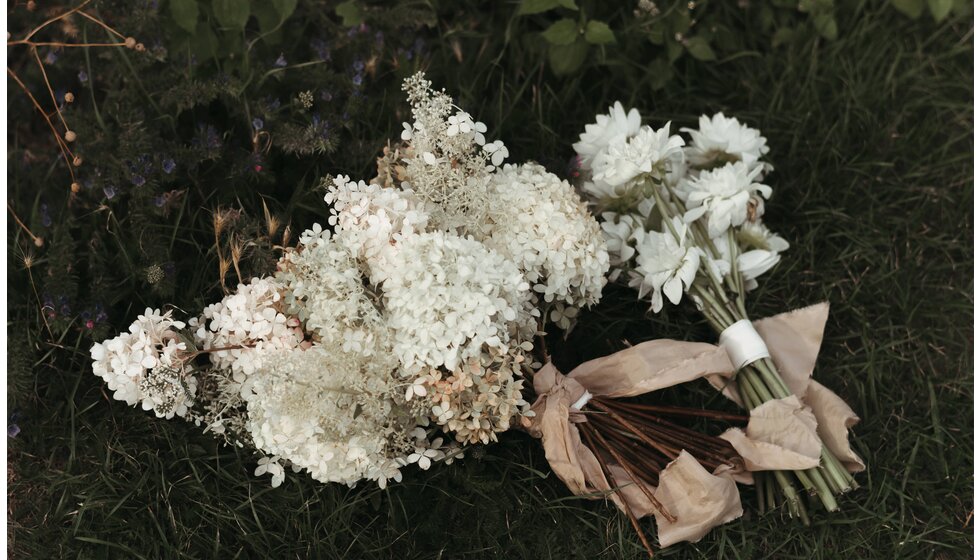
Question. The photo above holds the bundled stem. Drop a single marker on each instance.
(759, 381)
(642, 442)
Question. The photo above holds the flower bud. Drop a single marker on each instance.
(69, 97)
(70, 136)
(75, 187)
(77, 161)
(130, 43)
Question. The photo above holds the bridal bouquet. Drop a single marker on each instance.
(398, 335)
(685, 218)
(406, 329)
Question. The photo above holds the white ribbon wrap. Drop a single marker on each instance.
(743, 344)
(582, 401)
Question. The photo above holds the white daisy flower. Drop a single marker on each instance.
(720, 139)
(617, 124)
(665, 266)
(723, 195)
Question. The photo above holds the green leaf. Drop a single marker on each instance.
(940, 9)
(529, 7)
(570, 4)
(911, 8)
(674, 50)
(700, 49)
(598, 33)
(232, 14)
(350, 12)
(783, 35)
(826, 25)
(659, 72)
(184, 13)
(566, 59)
(657, 33)
(204, 43)
(562, 32)
(284, 8)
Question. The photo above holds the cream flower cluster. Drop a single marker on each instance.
(247, 325)
(333, 414)
(398, 335)
(539, 222)
(450, 160)
(373, 220)
(710, 190)
(145, 365)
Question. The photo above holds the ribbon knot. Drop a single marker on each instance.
(782, 434)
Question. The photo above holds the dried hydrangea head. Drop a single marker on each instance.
(371, 221)
(139, 365)
(333, 413)
(448, 298)
(539, 222)
(247, 326)
(324, 287)
(449, 163)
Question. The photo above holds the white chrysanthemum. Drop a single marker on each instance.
(144, 365)
(644, 153)
(539, 222)
(755, 235)
(370, 220)
(448, 298)
(324, 287)
(720, 139)
(665, 266)
(723, 194)
(332, 413)
(620, 232)
(251, 324)
(759, 251)
(617, 124)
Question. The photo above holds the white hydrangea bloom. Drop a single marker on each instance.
(332, 413)
(720, 139)
(665, 266)
(723, 194)
(251, 324)
(448, 298)
(145, 365)
(625, 159)
(616, 125)
(324, 287)
(371, 220)
(539, 222)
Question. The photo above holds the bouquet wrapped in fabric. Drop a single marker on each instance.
(397, 336)
(686, 218)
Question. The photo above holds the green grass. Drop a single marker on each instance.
(871, 137)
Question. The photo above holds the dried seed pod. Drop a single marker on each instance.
(70, 136)
(69, 97)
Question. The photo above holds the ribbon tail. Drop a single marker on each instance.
(834, 419)
(794, 339)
